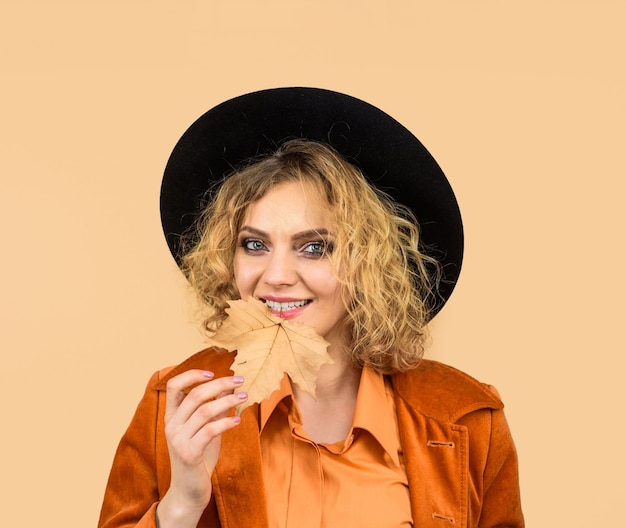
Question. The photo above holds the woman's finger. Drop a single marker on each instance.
(178, 385)
(192, 388)
(206, 392)
(207, 416)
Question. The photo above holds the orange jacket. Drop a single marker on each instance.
(460, 458)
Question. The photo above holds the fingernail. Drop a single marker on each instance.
(208, 374)
(238, 380)
(237, 419)
(242, 395)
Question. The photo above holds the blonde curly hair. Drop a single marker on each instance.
(388, 282)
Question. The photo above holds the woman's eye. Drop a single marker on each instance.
(253, 245)
(317, 249)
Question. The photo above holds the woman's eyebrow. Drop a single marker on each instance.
(309, 233)
(253, 231)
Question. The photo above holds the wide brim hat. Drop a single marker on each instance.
(254, 124)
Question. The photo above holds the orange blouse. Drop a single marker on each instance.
(361, 481)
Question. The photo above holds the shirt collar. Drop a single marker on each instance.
(374, 412)
(267, 406)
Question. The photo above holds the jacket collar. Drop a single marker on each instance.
(433, 389)
(443, 392)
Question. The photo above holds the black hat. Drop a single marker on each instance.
(390, 156)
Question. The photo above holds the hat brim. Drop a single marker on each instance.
(389, 155)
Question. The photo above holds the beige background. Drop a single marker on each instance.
(521, 102)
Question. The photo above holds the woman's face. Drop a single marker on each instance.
(282, 258)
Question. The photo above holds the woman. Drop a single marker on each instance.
(388, 439)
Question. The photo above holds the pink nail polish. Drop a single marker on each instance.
(238, 380)
(242, 395)
(237, 419)
(208, 374)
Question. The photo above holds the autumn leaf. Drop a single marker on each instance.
(267, 347)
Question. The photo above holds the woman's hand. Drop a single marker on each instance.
(194, 424)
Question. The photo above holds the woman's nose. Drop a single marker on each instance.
(281, 269)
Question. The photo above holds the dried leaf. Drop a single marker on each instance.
(267, 347)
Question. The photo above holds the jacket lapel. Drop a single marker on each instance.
(436, 462)
(238, 478)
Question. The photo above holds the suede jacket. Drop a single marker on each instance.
(460, 458)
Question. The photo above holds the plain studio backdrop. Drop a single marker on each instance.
(521, 102)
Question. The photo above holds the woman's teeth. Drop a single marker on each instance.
(284, 306)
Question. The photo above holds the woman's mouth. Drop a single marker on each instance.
(287, 309)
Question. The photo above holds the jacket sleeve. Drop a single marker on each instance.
(132, 493)
(501, 492)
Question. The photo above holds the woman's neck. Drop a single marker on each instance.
(327, 418)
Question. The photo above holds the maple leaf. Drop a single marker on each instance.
(268, 347)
